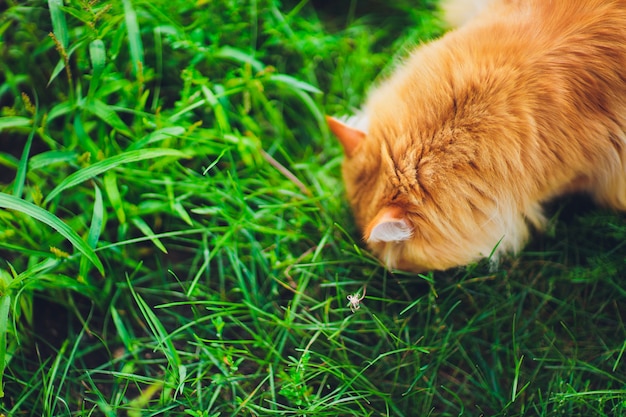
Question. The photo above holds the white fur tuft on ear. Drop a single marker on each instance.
(395, 230)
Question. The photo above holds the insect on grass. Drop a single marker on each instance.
(354, 300)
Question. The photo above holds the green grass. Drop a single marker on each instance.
(175, 239)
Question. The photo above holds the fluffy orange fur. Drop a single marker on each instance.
(467, 139)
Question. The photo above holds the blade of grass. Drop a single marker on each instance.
(5, 304)
(113, 192)
(59, 25)
(228, 52)
(9, 122)
(220, 114)
(97, 54)
(111, 163)
(156, 327)
(294, 83)
(56, 71)
(60, 38)
(182, 213)
(63, 375)
(109, 116)
(134, 36)
(22, 168)
(97, 218)
(158, 51)
(11, 202)
(96, 227)
(50, 378)
(158, 136)
(146, 230)
(51, 157)
(125, 336)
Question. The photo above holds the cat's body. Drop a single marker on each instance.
(476, 130)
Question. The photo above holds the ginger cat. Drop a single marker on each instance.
(474, 131)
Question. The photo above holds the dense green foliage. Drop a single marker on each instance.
(174, 238)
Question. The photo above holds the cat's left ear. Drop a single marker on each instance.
(349, 137)
(389, 225)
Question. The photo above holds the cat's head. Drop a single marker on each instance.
(415, 206)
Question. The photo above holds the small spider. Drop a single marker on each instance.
(354, 300)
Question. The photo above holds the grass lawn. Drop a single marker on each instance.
(174, 238)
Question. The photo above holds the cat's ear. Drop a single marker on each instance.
(349, 137)
(389, 225)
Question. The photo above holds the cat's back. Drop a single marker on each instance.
(543, 27)
(565, 47)
(474, 131)
(551, 37)
(459, 12)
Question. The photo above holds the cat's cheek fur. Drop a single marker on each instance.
(414, 256)
(429, 248)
